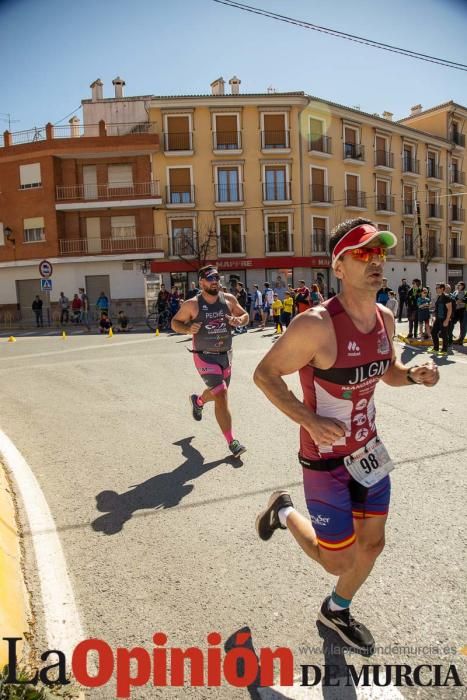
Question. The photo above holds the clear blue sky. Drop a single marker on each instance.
(51, 50)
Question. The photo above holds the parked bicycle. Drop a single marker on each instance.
(159, 320)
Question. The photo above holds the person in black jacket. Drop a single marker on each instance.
(412, 307)
(37, 308)
(443, 312)
(402, 292)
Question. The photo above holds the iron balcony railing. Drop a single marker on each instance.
(185, 245)
(94, 246)
(226, 140)
(278, 242)
(319, 241)
(384, 158)
(78, 130)
(457, 214)
(276, 192)
(354, 151)
(409, 251)
(108, 191)
(275, 139)
(435, 249)
(385, 202)
(178, 141)
(355, 198)
(433, 170)
(229, 193)
(457, 177)
(180, 194)
(321, 193)
(410, 165)
(230, 245)
(434, 211)
(408, 207)
(458, 139)
(456, 250)
(320, 143)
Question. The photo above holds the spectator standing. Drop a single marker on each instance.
(412, 307)
(382, 295)
(102, 304)
(277, 307)
(174, 301)
(280, 288)
(84, 308)
(460, 313)
(242, 299)
(193, 291)
(268, 298)
(452, 296)
(76, 309)
(443, 310)
(256, 305)
(331, 293)
(64, 304)
(316, 297)
(402, 292)
(302, 297)
(424, 303)
(287, 312)
(392, 304)
(37, 308)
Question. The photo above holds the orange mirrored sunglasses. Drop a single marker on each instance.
(365, 254)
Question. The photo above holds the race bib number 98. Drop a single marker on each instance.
(369, 464)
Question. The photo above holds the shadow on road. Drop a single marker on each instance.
(334, 657)
(161, 491)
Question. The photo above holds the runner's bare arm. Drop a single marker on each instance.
(238, 317)
(306, 335)
(397, 375)
(182, 322)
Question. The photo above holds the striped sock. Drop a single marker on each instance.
(336, 602)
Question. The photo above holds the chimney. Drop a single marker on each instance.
(96, 88)
(74, 126)
(118, 84)
(235, 85)
(416, 109)
(217, 86)
(388, 116)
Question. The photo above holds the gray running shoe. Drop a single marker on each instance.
(236, 448)
(197, 411)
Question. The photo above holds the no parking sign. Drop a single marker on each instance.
(45, 268)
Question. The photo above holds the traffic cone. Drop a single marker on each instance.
(157, 331)
(12, 339)
(63, 335)
(111, 333)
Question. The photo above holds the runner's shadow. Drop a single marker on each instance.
(342, 687)
(162, 491)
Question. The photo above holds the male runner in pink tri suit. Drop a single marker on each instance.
(341, 349)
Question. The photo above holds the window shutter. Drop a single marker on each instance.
(30, 175)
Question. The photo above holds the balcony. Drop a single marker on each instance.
(456, 177)
(109, 246)
(230, 141)
(319, 144)
(178, 142)
(408, 207)
(435, 249)
(183, 245)
(409, 251)
(434, 211)
(277, 192)
(456, 215)
(230, 246)
(77, 131)
(384, 159)
(355, 199)
(319, 241)
(354, 151)
(276, 243)
(321, 194)
(229, 194)
(457, 139)
(180, 195)
(434, 171)
(275, 140)
(108, 191)
(456, 250)
(410, 166)
(385, 203)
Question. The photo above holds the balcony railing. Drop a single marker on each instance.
(354, 198)
(434, 211)
(227, 140)
(457, 177)
(319, 241)
(185, 244)
(458, 139)
(354, 151)
(456, 214)
(180, 194)
(228, 246)
(275, 139)
(435, 249)
(456, 250)
(276, 192)
(384, 159)
(435, 171)
(409, 251)
(408, 207)
(178, 141)
(108, 191)
(229, 193)
(321, 193)
(385, 202)
(76, 130)
(410, 165)
(93, 246)
(320, 143)
(278, 242)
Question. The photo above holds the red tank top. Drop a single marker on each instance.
(345, 390)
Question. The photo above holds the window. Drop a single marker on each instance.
(352, 148)
(120, 176)
(30, 176)
(123, 227)
(408, 242)
(319, 240)
(227, 185)
(226, 134)
(275, 134)
(180, 190)
(178, 133)
(382, 155)
(230, 236)
(409, 200)
(34, 231)
(183, 240)
(433, 247)
(319, 190)
(455, 245)
(278, 235)
(276, 187)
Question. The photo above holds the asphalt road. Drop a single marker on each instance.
(157, 522)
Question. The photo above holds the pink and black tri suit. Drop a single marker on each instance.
(344, 392)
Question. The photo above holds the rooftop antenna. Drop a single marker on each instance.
(9, 120)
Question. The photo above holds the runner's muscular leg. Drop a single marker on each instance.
(222, 412)
(336, 562)
(368, 546)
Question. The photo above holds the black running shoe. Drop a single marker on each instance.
(236, 448)
(268, 520)
(197, 411)
(353, 633)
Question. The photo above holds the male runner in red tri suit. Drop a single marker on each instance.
(341, 349)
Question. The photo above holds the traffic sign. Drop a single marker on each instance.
(45, 268)
(46, 285)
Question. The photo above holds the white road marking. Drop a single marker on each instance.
(106, 343)
(62, 621)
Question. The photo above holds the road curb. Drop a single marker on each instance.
(15, 610)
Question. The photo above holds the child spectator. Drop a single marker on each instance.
(287, 313)
(105, 324)
(277, 307)
(123, 322)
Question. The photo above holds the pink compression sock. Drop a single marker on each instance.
(228, 436)
(199, 401)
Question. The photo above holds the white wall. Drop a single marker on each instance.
(115, 112)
